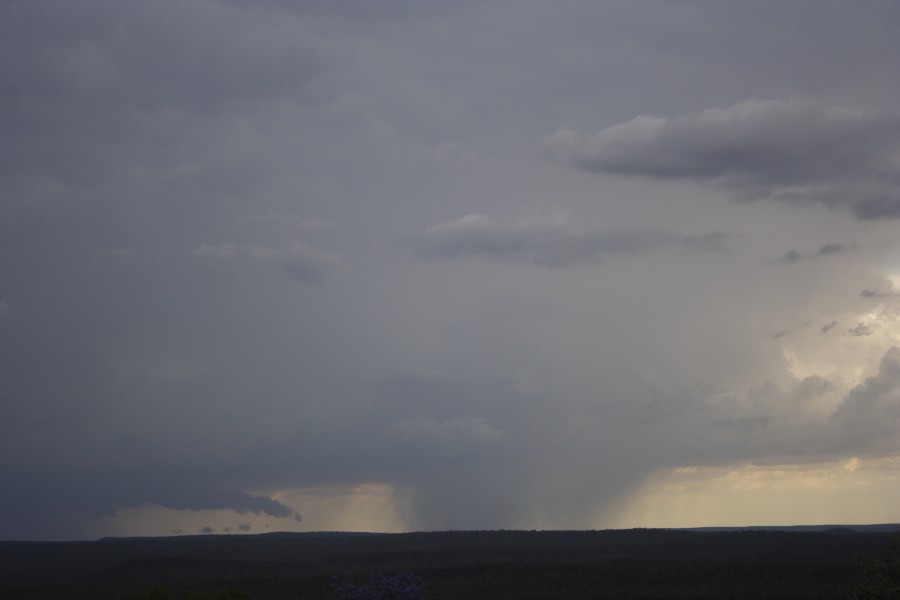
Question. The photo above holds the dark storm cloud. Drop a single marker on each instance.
(549, 244)
(52, 494)
(793, 151)
(828, 327)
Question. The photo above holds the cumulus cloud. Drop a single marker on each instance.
(870, 414)
(808, 419)
(794, 151)
(549, 244)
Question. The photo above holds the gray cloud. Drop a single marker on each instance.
(103, 492)
(861, 330)
(549, 244)
(828, 327)
(299, 261)
(793, 151)
(186, 498)
(831, 249)
(868, 416)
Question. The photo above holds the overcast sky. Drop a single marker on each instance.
(414, 265)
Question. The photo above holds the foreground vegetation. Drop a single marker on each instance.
(646, 564)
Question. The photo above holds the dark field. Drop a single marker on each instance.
(641, 563)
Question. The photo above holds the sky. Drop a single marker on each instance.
(422, 265)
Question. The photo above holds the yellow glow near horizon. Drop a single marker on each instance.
(851, 490)
(373, 507)
(848, 491)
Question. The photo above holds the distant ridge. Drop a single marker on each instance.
(233, 536)
(611, 563)
(876, 528)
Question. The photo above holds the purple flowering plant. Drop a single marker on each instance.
(399, 586)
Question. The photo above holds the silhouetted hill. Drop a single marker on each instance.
(637, 563)
(279, 535)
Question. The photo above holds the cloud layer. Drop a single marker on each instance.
(268, 259)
